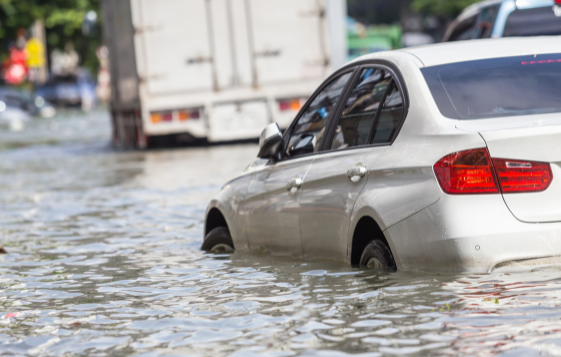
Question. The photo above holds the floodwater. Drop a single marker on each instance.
(104, 260)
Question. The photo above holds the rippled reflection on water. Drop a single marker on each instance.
(104, 260)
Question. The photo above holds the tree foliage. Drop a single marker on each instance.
(63, 22)
(441, 8)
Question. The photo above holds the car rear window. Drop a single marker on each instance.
(498, 87)
(540, 21)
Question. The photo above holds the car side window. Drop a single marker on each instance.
(486, 21)
(308, 132)
(358, 116)
(464, 30)
(390, 117)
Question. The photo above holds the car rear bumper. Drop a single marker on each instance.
(472, 233)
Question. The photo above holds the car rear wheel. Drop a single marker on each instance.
(377, 255)
(218, 240)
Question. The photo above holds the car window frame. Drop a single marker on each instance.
(344, 94)
(397, 79)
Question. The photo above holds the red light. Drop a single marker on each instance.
(290, 104)
(542, 61)
(558, 2)
(473, 171)
(284, 106)
(167, 117)
(523, 176)
(195, 114)
(466, 172)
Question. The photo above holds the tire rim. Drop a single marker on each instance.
(222, 248)
(374, 263)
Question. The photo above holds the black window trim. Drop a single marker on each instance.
(356, 68)
(397, 79)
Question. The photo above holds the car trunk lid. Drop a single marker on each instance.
(531, 138)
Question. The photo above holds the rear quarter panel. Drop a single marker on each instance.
(402, 182)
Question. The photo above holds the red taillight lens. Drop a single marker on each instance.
(466, 172)
(558, 2)
(290, 104)
(167, 116)
(473, 171)
(523, 176)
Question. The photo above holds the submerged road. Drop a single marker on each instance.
(104, 260)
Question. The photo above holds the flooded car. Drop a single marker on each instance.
(437, 158)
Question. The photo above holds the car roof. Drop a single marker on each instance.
(460, 51)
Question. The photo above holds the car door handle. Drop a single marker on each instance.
(294, 183)
(356, 173)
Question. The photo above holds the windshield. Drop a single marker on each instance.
(497, 87)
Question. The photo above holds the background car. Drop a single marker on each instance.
(445, 157)
(506, 18)
(72, 90)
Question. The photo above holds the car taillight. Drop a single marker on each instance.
(466, 172)
(290, 104)
(558, 2)
(522, 176)
(167, 116)
(188, 114)
(473, 171)
(155, 118)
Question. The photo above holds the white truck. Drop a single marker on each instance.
(216, 70)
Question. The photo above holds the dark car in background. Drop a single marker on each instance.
(506, 18)
(70, 90)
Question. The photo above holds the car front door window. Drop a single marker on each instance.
(309, 131)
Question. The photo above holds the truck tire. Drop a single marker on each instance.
(377, 255)
(218, 240)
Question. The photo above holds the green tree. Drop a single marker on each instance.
(441, 8)
(63, 22)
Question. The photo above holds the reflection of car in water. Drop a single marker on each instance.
(75, 90)
(456, 166)
(506, 18)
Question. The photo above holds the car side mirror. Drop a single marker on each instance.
(270, 141)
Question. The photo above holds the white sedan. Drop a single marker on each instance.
(444, 157)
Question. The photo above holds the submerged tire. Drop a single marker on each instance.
(218, 241)
(377, 255)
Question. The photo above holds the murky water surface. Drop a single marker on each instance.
(104, 260)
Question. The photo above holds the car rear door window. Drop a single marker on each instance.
(355, 123)
(464, 30)
(390, 117)
(308, 133)
(486, 21)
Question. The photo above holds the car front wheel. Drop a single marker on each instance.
(218, 240)
(377, 255)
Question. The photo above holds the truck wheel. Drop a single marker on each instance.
(218, 240)
(377, 255)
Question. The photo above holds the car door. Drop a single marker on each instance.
(271, 209)
(371, 117)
